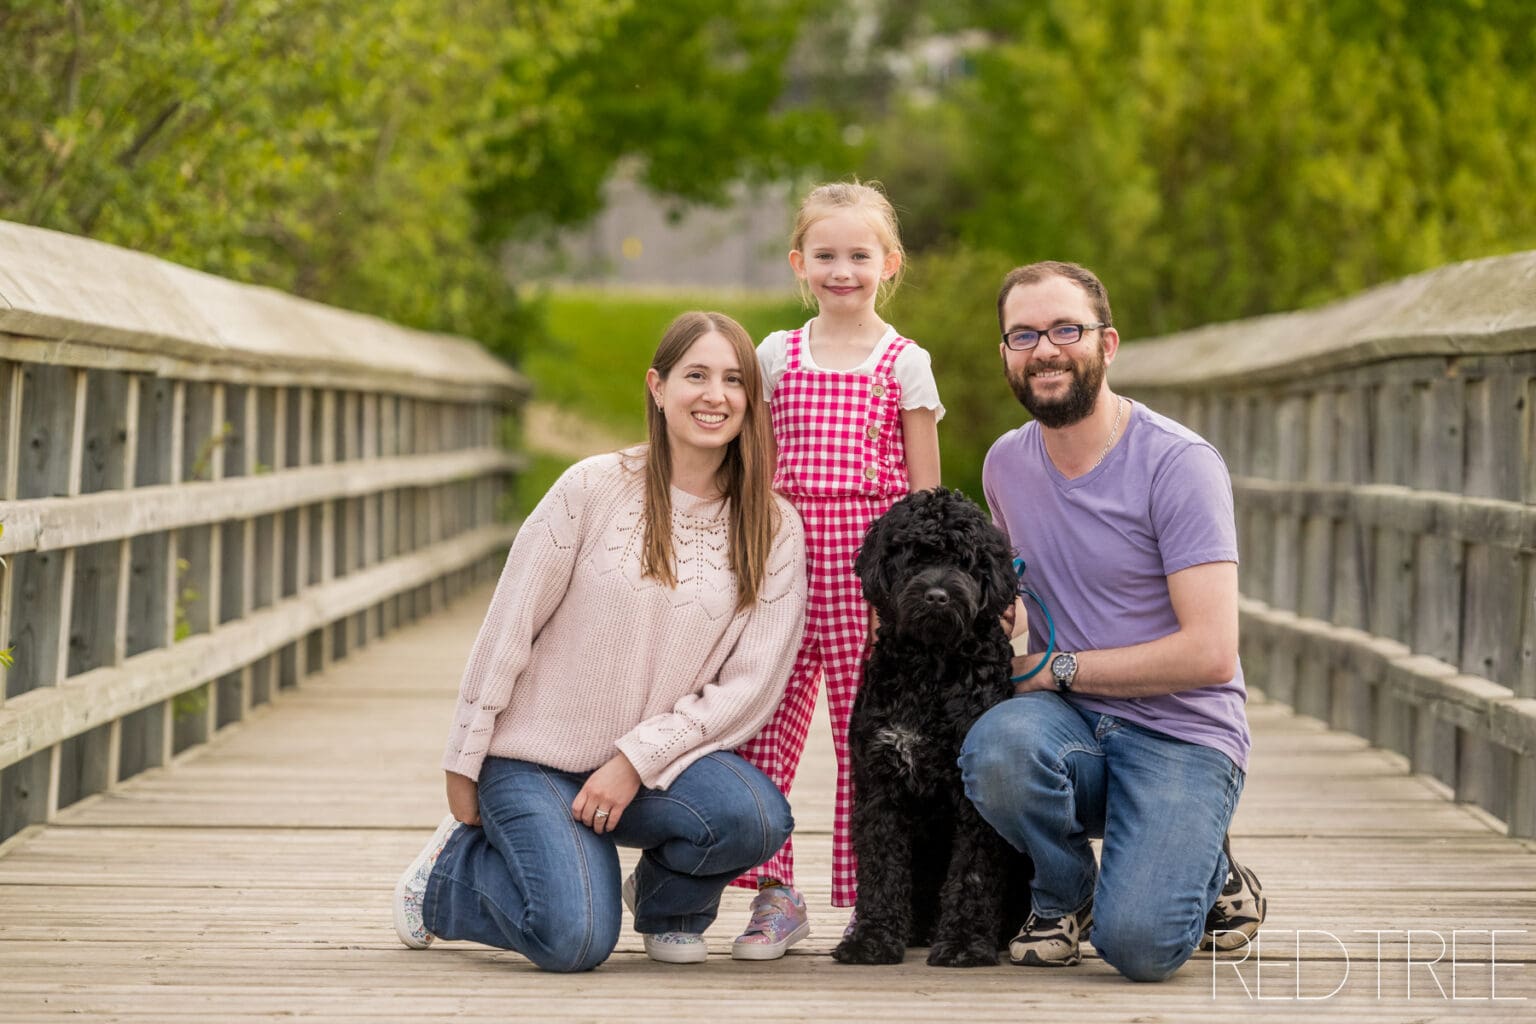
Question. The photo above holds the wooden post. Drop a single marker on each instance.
(52, 413)
(24, 793)
(11, 389)
(323, 550)
(1522, 799)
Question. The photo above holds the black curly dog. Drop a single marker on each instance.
(931, 871)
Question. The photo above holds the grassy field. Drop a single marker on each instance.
(601, 342)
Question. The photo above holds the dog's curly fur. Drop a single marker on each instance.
(931, 871)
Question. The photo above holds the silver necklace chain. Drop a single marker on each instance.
(1113, 430)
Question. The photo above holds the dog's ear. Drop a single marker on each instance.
(994, 563)
(873, 564)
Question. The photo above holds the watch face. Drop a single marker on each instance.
(1061, 666)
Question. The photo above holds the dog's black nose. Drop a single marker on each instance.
(936, 595)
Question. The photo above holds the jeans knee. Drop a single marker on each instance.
(568, 943)
(751, 831)
(1140, 952)
(1000, 751)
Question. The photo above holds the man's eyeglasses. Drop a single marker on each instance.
(1023, 339)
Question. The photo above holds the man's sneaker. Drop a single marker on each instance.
(1239, 908)
(412, 887)
(668, 947)
(778, 922)
(1052, 941)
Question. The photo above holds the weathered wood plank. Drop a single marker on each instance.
(50, 407)
(52, 524)
(94, 616)
(1476, 308)
(40, 583)
(111, 412)
(88, 303)
(271, 898)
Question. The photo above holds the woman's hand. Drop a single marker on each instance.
(463, 798)
(608, 791)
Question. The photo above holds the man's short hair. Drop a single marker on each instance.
(1032, 273)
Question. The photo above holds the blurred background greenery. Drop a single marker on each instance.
(1211, 160)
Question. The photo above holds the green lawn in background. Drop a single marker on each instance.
(601, 342)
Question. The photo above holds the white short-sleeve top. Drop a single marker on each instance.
(913, 367)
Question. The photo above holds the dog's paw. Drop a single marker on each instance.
(867, 948)
(962, 954)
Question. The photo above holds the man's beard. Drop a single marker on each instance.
(1081, 397)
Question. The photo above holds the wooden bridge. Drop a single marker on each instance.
(247, 541)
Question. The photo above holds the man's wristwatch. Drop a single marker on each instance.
(1064, 671)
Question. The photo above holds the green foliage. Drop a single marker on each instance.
(1214, 161)
(186, 597)
(375, 155)
(320, 146)
(202, 463)
(191, 704)
(947, 304)
(688, 89)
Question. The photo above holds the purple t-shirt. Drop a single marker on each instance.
(1099, 549)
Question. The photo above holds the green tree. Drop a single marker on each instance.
(317, 146)
(374, 154)
(1215, 161)
(688, 90)
(1210, 160)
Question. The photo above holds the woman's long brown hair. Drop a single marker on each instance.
(745, 476)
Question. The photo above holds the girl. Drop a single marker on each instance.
(855, 412)
(642, 629)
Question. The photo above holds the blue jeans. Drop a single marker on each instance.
(1049, 777)
(534, 880)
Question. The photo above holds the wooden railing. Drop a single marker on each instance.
(1383, 458)
(211, 490)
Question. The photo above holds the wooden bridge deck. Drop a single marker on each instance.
(252, 880)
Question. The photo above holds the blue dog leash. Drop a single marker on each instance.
(1050, 643)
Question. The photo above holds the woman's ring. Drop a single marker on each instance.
(600, 813)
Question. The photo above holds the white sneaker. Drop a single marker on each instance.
(668, 947)
(412, 887)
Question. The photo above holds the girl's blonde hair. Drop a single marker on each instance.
(865, 198)
(745, 477)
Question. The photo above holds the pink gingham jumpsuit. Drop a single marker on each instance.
(842, 463)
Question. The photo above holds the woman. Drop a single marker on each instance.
(643, 628)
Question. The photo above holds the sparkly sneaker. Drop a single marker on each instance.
(1052, 941)
(668, 947)
(778, 922)
(412, 887)
(1239, 908)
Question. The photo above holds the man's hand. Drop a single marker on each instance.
(1041, 680)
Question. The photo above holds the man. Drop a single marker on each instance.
(1133, 728)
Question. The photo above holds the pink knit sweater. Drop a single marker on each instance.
(581, 655)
